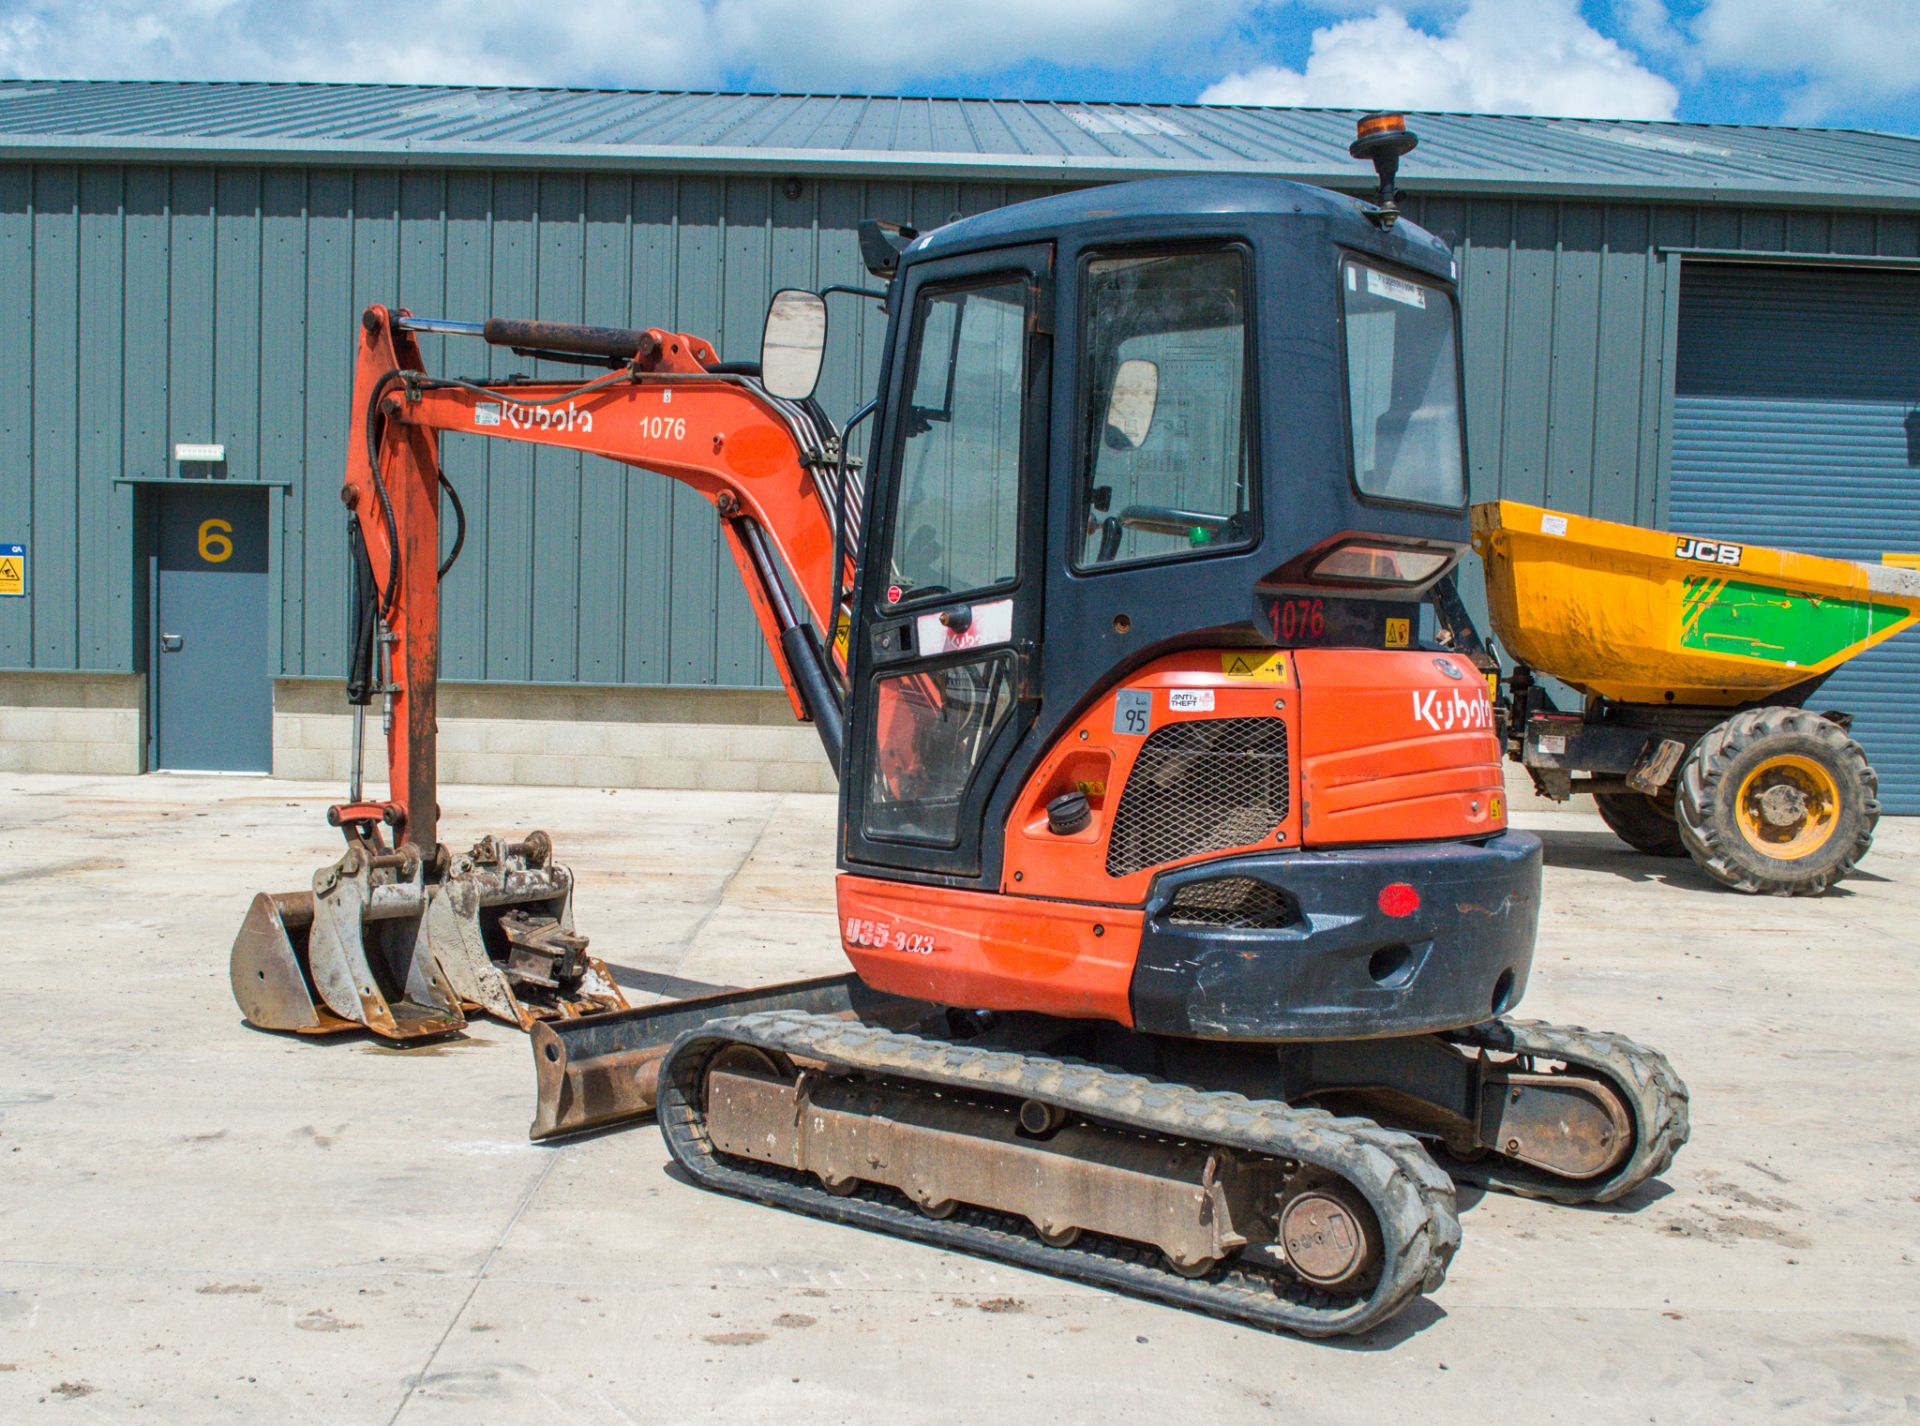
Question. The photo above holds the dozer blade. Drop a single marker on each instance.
(351, 952)
(604, 1069)
(500, 928)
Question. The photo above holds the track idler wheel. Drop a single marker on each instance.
(1329, 1236)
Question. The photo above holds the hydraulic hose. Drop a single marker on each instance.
(361, 601)
(373, 426)
(459, 523)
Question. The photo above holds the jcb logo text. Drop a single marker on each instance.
(1707, 551)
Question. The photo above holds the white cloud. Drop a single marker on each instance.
(807, 44)
(1495, 56)
(1649, 25)
(429, 42)
(1842, 53)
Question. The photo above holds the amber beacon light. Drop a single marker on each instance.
(1384, 138)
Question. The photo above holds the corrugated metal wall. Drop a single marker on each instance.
(145, 305)
(1794, 425)
(1566, 310)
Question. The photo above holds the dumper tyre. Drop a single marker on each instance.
(1777, 800)
(1647, 824)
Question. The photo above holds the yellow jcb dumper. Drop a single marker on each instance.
(1696, 658)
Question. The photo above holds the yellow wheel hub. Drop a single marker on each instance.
(1788, 807)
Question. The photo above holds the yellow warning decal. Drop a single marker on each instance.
(1496, 805)
(1399, 633)
(840, 634)
(13, 570)
(1251, 663)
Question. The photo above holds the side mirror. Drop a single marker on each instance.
(792, 345)
(1136, 391)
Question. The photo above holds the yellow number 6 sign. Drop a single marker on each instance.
(216, 543)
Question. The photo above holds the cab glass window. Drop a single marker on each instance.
(1403, 388)
(933, 730)
(957, 499)
(1166, 446)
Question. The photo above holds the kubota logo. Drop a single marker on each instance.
(532, 418)
(1447, 710)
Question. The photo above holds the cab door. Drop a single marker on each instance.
(944, 679)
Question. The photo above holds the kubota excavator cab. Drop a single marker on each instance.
(1166, 827)
(1141, 722)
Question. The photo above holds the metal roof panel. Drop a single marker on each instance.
(906, 136)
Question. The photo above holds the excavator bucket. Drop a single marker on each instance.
(500, 926)
(269, 967)
(351, 952)
(376, 944)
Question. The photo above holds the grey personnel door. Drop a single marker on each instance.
(213, 692)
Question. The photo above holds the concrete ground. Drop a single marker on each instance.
(202, 1223)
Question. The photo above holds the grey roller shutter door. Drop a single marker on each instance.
(1797, 424)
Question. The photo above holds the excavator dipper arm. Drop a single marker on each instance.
(755, 458)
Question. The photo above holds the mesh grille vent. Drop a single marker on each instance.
(1233, 902)
(1203, 786)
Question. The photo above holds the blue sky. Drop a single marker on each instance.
(1836, 62)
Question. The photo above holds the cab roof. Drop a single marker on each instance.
(1154, 206)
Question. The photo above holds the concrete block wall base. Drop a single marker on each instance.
(71, 722)
(716, 740)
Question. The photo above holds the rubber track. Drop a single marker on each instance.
(1655, 1095)
(1410, 1196)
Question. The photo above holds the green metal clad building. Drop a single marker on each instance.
(1713, 328)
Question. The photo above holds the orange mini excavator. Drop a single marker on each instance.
(1174, 865)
